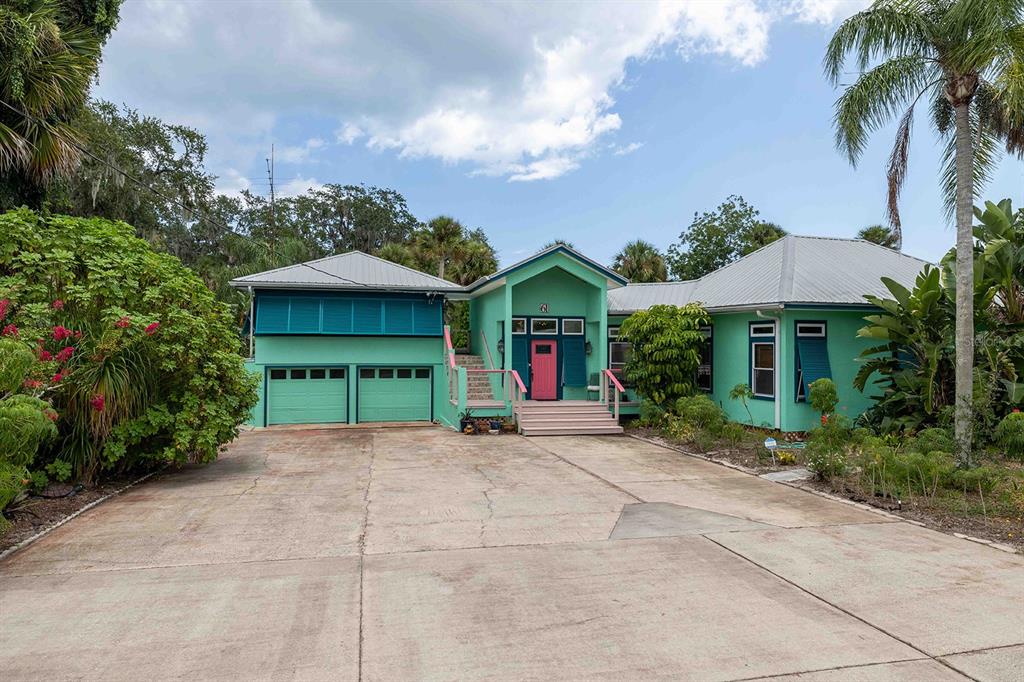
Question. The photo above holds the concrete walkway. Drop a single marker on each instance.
(421, 554)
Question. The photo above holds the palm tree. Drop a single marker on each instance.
(474, 259)
(558, 242)
(759, 235)
(640, 261)
(44, 82)
(440, 240)
(879, 234)
(966, 58)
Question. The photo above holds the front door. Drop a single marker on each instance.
(543, 371)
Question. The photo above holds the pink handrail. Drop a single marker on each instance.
(519, 381)
(615, 381)
(448, 346)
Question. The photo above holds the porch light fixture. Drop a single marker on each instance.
(588, 348)
(501, 346)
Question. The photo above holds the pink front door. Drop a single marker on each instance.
(543, 371)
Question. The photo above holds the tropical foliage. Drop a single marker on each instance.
(719, 237)
(666, 342)
(881, 235)
(915, 360)
(964, 59)
(131, 348)
(640, 261)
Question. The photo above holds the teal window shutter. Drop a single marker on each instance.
(427, 318)
(271, 314)
(304, 317)
(574, 361)
(812, 354)
(366, 316)
(521, 359)
(337, 316)
(398, 317)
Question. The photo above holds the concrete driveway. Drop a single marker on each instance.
(418, 553)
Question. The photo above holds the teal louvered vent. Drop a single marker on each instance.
(521, 359)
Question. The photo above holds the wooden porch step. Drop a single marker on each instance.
(561, 421)
(571, 430)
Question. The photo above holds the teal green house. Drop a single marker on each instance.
(355, 339)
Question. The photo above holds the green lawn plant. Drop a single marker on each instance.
(743, 393)
(1009, 435)
(823, 397)
(140, 360)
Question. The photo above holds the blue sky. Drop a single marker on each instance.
(591, 123)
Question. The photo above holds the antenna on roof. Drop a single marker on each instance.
(270, 176)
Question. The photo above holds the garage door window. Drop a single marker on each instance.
(405, 374)
(278, 374)
(423, 374)
(337, 374)
(318, 374)
(367, 374)
(386, 374)
(298, 374)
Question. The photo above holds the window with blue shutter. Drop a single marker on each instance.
(574, 361)
(279, 313)
(811, 356)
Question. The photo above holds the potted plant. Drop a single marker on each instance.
(508, 425)
(823, 398)
(495, 425)
(466, 423)
(483, 425)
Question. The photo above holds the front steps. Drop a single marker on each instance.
(479, 394)
(566, 418)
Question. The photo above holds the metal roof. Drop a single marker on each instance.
(352, 270)
(792, 270)
(612, 276)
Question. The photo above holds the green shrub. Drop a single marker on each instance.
(675, 428)
(827, 448)
(704, 440)
(822, 396)
(930, 440)
(734, 434)
(666, 343)
(982, 479)
(651, 414)
(153, 372)
(826, 464)
(743, 393)
(897, 474)
(702, 412)
(1010, 435)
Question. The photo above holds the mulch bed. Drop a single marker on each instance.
(34, 513)
(746, 456)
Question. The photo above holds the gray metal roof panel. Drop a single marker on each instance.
(794, 269)
(351, 270)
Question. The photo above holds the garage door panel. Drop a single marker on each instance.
(394, 394)
(317, 395)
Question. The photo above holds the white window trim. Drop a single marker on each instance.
(583, 326)
(823, 330)
(754, 368)
(613, 332)
(534, 332)
(522, 333)
(617, 365)
(762, 334)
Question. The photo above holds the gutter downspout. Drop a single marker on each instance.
(777, 323)
(252, 305)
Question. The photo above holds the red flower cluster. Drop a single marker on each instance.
(61, 332)
(51, 415)
(56, 378)
(32, 383)
(10, 330)
(4, 305)
(45, 356)
(97, 402)
(151, 329)
(58, 304)
(65, 353)
(123, 323)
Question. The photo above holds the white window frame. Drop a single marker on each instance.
(759, 330)
(611, 344)
(534, 332)
(817, 330)
(583, 326)
(754, 369)
(613, 332)
(519, 319)
(708, 334)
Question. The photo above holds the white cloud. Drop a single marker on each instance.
(627, 149)
(514, 90)
(297, 186)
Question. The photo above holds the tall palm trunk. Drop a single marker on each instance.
(964, 277)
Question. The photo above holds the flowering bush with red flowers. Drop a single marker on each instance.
(137, 356)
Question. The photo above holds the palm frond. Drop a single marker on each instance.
(897, 173)
(888, 27)
(986, 156)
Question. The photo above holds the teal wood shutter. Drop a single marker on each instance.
(337, 316)
(812, 354)
(304, 317)
(366, 316)
(271, 314)
(521, 359)
(398, 317)
(427, 318)
(574, 361)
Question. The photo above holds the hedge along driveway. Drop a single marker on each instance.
(420, 553)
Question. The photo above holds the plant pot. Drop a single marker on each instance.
(467, 426)
(495, 425)
(483, 426)
(509, 427)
